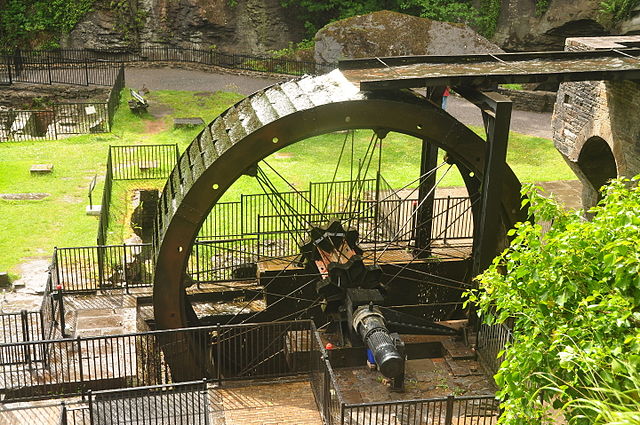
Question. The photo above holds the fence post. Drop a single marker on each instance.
(90, 400)
(449, 412)
(24, 320)
(60, 298)
(63, 414)
(326, 391)
(218, 350)
(124, 268)
(49, 68)
(86, 70)
(80, 369)
(446, 219)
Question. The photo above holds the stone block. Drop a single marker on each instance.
(94, 210)
(187, 122)
(4, 280)
(39, 169)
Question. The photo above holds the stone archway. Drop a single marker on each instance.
(597, 166)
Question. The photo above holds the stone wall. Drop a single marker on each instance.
(595, 123)
(28, 96)
(530, 100)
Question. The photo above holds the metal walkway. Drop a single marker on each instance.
(490, 69)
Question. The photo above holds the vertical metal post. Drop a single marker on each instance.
(80, 369)
(60, 297)
(326, 391)
(496, 114)
(86, 70)
(49, 69)
(426, 195)
(494, 168)
(63, 414)
(446, 219)
(124, 268)
(92, 420)
(449, 411)
(218, 351)
(24, 319)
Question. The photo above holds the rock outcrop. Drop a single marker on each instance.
(251, 26)
(521, 28)
(387, 33)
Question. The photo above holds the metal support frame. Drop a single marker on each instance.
(496, 114)
(426, 196)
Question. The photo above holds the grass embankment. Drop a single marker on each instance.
(33, 228)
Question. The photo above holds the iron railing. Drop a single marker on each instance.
(63, 119)
(470, 410)
(25, 326)
(92, 268)
(80, 66)
(39, 67)
(105, 208)
(139, 162)
(184, 403)
(324, 383)
(226, 352)
(133, 162)
(492, 340)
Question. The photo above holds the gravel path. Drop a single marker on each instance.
(198, 81)
(531, 123)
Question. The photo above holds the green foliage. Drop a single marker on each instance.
(292, 49)
(573, 293)
(542, 6)
(316, 14)
(514, 86)
(130, 19)
(22, 21)
(617, 10)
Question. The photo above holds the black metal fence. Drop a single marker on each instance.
(471, 410)
(41, 67)
(81, 66)
(63, 119)
(182, 403)
(25, 326)
(133, 162)
(92, 268)
(138, 162)
(492, 340)
(105, 207)
(254, 229)
(324, 384)
(225, 353)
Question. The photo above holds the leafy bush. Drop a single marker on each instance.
(573, 294)
(316, 14)
(21, 21)
(618, 10)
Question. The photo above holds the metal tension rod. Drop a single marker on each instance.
(496, 114)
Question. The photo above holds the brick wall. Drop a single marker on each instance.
(600, 111)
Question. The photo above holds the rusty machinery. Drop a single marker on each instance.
(353, 295)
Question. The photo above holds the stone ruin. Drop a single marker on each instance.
(595, 123)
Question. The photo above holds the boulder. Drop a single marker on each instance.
(387, 33)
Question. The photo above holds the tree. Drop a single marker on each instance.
(573, 294)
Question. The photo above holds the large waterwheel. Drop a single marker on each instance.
(339, 212)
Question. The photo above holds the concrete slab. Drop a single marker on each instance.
(38, 169)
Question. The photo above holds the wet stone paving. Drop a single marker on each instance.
(425, 378)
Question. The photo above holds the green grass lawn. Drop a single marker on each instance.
(33, 228)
